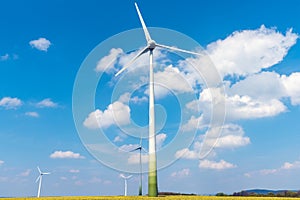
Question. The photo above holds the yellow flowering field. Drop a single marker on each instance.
(159, 198)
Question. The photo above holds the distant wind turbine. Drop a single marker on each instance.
(39, 178)
(151, 45)
(125, 182)
(140, 148)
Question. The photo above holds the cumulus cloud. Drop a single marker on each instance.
(187, 154)
(293, 165)
(207, 164)
(65, 154)
(108, 62)
(163, 84)
(160, 138)
(244, 106)
(41, 44)
(231, 136)
(10, 103)
(291, 84)
(194, 123)
(46, 103)
(116, 113)
(257, 86)
(135, 158)
(182, 173)
(249, 51)
(32, 114)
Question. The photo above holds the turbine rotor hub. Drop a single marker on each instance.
(152, 44)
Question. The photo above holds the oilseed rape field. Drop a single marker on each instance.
(158, 198)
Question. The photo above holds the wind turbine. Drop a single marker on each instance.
(39, 178)
(151, 45)
(125, 182)
(140, 148)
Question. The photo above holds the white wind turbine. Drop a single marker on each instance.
(125, 182)
(151, 45)
(39, 178)
(140, 148)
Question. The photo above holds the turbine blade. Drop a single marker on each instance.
(144, 50)
(39, 170)
(38, 178)
(141, 141)
(46, 173)
(144, 150)
(146, 32)
(177, 49)
(122, 176)
(135, 149)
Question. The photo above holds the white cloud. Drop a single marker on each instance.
(32, 114)
(268, 171)
(182, 173)
(160, 138)
(1, 162)
(137, 99)
(194, 123)
(116, 113)
(232, 136)
(135, 158)
(176, 82)
(41, 44)
(108, 62)
(118, 139)
(262, 86)
(10, 103)
(4, 57)
(249, 51)
(46, 103)
(75, 171)
(25, 173)
(126, 97)
(242, 106)
(65, 154)
(63, 178)
(207, 164)
(228, 136)
(291, 84)
(288, 165)
(187, 154)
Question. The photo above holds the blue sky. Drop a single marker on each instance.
(252, 44)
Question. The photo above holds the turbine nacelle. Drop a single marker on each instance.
(151, 44)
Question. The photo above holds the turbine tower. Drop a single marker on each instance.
(151, 45)
(125, 182)
(140, 148)
(39, 178)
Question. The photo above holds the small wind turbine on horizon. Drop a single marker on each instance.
(39, 178)
(125, 182)
(151, 45)
(140, 148)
